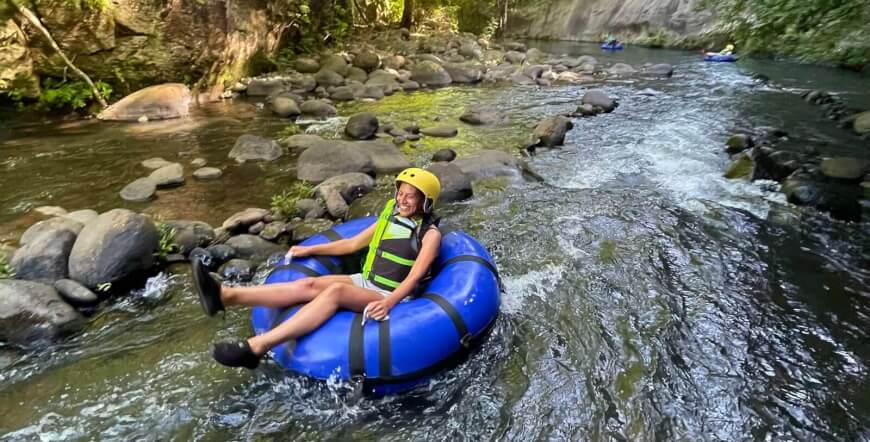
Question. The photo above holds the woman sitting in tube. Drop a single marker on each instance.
(403, 243)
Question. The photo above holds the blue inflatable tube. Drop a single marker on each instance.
(612, 47)
(720, 58)
(422, 336)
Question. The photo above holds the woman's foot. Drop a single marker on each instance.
(236, 354)
(207, 288)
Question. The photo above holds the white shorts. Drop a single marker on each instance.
(359, 281)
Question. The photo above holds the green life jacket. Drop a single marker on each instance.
(394, 247)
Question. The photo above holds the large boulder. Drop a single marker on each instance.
(430, 73)
(31, 311)
(362, 126)
(490, 163)
(284, 106)
(845, 168)
(318, 108)
(51, 224)
(329, 158)
(335, 63)
(45, 258)
(328, 78)
(300, 142)
(159, 102)
(515, 57)
(115, 245)
(253, 248)
(189, 235)
(339, 191)
(774, 164)
(306, 65)
(254, 148)
(357, 74)
(463, 73)
(599, 99)
(385, 157)
(264, 87)
(367, 61)
(661, 69)
(551, 130)
(455, 184)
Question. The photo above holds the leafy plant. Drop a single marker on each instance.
(284, 204)
(6, 270)
(166, 246)
(289, 131)
(74, 95)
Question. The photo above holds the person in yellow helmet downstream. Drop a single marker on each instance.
(403, 243)
(729, 50)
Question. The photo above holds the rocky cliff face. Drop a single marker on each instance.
(644, 21)
(136, 43)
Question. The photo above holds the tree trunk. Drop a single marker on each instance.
(408, 14)
(31, 17)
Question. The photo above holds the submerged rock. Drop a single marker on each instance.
(168, 176)
(600, 100)
(318, 108)
(254, 148)
(445, 155)
(207, 173)
(140, 190)
(740, 167)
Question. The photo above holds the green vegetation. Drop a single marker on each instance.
(166, 246)
(284, 204)
(288, 131)
(6, 270)
(813, 30)
(68, 95)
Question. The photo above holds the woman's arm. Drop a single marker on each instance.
(341, 247)
(428, 252)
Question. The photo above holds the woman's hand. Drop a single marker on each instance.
(299, 251)
(379, 310)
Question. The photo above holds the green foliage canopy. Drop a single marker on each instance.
(813, 30)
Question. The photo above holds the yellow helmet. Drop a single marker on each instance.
(729, 47)
(424, 181)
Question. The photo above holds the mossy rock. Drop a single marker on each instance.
(740, 168)
(490, 185)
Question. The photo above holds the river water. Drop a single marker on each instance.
(648, 298)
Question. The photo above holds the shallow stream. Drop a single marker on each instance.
(648, 298)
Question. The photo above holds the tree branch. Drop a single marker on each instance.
(31, 17)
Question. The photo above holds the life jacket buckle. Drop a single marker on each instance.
(466, 340)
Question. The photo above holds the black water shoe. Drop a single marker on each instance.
(207, 288)
(235, 354)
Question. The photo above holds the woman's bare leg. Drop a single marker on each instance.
(314, 314)
(281, 295)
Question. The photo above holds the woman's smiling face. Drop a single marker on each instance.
(409, 200)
